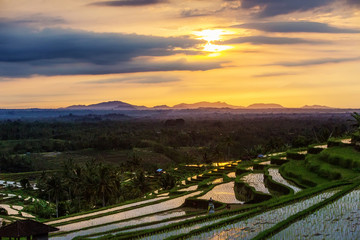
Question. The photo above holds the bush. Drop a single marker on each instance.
(41, 209)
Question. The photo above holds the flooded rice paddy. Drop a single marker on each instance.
(107, 210)
(256, 180)
(222, 193)
(276, 176)
(338, 220)
(151, 209)
(249, 228)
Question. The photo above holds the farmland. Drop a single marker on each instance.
(280, 194)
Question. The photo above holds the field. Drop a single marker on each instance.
(279, 195)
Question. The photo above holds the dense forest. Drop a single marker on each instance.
(181, 141)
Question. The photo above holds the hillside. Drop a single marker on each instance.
(264, 106)
(112, 105)
(205, 105)
(316, 107)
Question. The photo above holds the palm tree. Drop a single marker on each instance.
(140, 182)
(356, 117)
(117, 181)
(68, 172)
(167, 181)
(105, 186)
(55, 188)
(228, 141)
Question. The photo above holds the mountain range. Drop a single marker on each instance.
(119, 105)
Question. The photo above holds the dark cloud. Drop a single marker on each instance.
(66, 45)
(129, 3)
(54, 68)
(270, 40)
(142, 80)
(276, 74)
(296, 27)
(200, 13)
(354, 2)
(33, 20)
(316, 62)
(24, 51)
(270, 8)
(194, 13)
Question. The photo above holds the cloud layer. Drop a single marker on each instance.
(303, 26)
(310, 62)
(139, 80)
(24, 51)
(271, 40)
(127, 3)
(270, 8)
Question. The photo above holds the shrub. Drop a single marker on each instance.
(41, 209)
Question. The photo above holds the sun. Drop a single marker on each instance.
(211, 36)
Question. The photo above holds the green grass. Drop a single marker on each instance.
(43, 161)
(328, 170)
(346, 157)
(18, 176)
(297, 172)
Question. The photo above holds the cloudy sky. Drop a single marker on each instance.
(150, 52)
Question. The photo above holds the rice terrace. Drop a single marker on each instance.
(95, 192)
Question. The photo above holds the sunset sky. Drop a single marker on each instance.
(56, 53)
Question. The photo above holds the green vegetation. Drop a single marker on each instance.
(99, 179)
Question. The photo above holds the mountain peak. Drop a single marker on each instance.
(204, 104)
(316, 107)
(110, 105)
(264, 105)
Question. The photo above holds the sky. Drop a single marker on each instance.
(56, 53)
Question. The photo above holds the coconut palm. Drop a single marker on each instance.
(167, 181)
(55, 188)
(105, 185)
(141, 182)
(228, 141)
(356, 117)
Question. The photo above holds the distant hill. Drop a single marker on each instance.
(264, 106)
(119, 105)
(205, 105)
(112, 105)
(316, 107)
(161, 107)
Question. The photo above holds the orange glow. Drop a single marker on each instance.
(212, 35)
